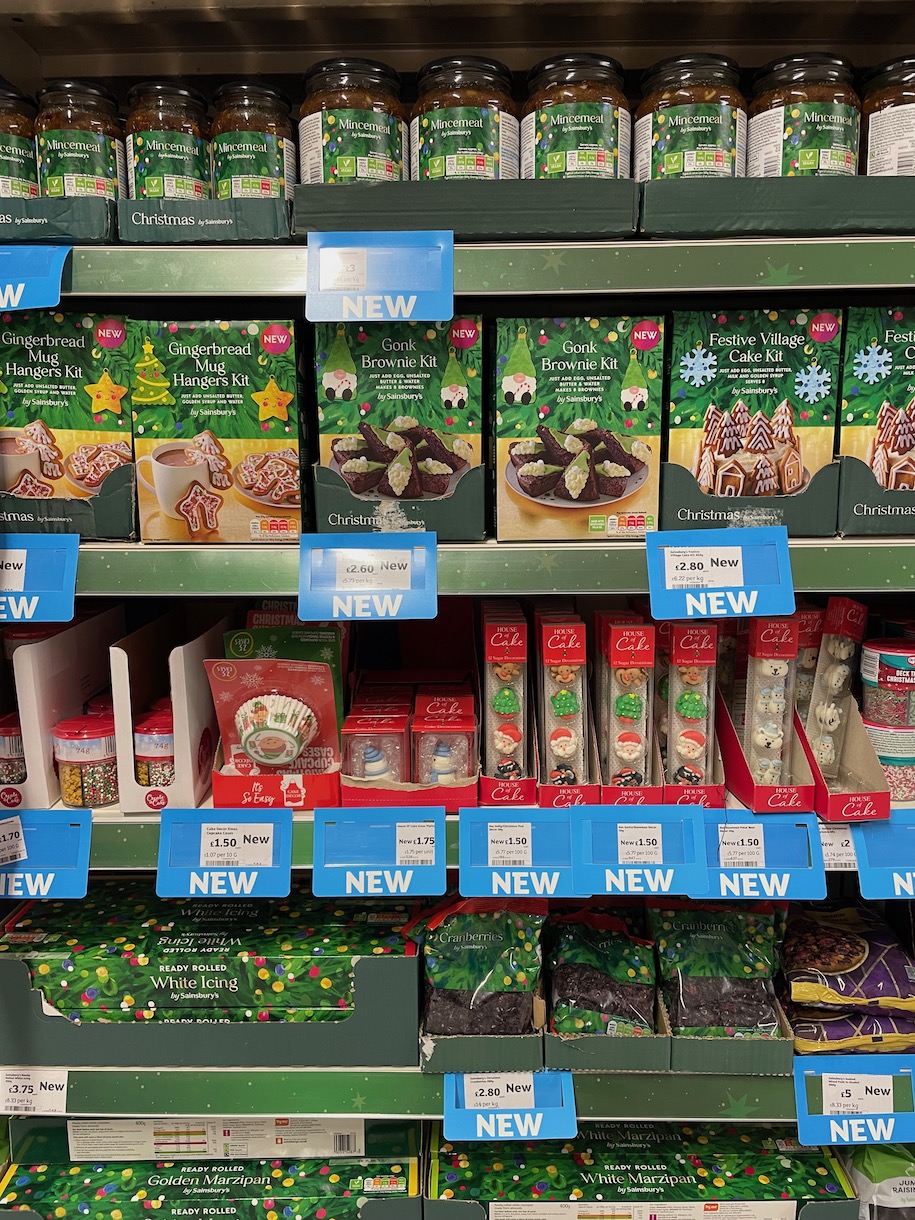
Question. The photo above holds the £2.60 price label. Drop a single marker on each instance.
(639, 843)
(510, 845)
(415, 845)
(236, 845)
(741, 846)
(499, 1091)
(373, 571)
(703, 567)
(12, 841)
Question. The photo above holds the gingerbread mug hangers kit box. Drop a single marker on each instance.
(217, 434)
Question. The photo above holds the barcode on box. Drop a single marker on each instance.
(344, 1141)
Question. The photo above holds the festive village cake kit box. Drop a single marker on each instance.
(877, 422)
(400, 418)
(66, 452)
(578, 427)
(753, 401)
(217, 436)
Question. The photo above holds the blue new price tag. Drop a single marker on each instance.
(762, 856)
(854, 1099)
(638, 849)
(367, 576)
(516, 852)
(380, 277)
(719, 573)
(30, 276)
(886, 856)
(225, 853)
(37, 577)
(44, 853)
(382, 851)
(509, 1106)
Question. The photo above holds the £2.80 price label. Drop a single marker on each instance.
(639, 843)
(415, 844)
(12, 841)
(509, 845)
(703, 567)
(373, 571)
(499, 1091)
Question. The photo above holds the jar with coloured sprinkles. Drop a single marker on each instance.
(154, 749)
(12, 756)
(84, 749)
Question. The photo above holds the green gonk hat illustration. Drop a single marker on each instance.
(455, 390)
(519, 377)
(339, 379)
(634, 393)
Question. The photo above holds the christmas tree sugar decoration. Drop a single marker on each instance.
(565, 704)
(741, 413)
(760, 436)
(729, 439)
(628, 708)
(903, 433)
(783, 423)
(765, 480)
(455, 391)
(706, 475)
(886, 421)
(519, 377)
(505, 702)
(880, 466)
(691, 706)
(634, 392)
(150, 386)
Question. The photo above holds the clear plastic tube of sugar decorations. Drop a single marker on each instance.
(691, 704)
(771, 667)
(629, 704)
(827, 719)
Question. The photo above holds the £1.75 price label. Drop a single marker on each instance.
(415, 844)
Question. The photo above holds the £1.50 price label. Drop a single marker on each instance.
(741, 846)
(236, 845)
(639, 843)
(510, 845)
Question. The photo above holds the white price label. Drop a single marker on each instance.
(741, 846)
(236, 845)
(341, 270)
(857, 1094)
(499, 1091)
(37, 1091)
(639, 843)
(12, 841)
(838, 847)
(509, 845)
(415, 843)
(12, 571)
(703, 567)
(373, 570)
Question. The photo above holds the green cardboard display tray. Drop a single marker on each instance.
(866, 508)
(811, 513)
(506, 210)
(372, 1209)
(110, 515)
(165, 222)
(448, 1209)
(602, 1053)
(770, 207)
(380, 1033)
(57, 221)
(480, 1053)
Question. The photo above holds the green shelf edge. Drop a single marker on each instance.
(496, 269)
(828, 565)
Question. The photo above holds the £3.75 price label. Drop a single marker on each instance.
(510, 845)
(499, 1091)
(236, 845)
(12, 841)
(373, 571)
(639, 843)
(741, 846)
(33, 1091)
(415, 844)
(703, 567)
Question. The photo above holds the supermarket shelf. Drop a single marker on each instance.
(642, 267)
(820, 565)
(408, 1093)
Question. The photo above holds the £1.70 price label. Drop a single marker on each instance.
(12, 841)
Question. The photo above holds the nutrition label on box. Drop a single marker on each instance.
(247, 1138)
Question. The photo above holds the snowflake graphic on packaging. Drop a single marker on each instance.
(873, 363)
(318, 680)
(266, 652)
(225, 696)
(698, 366)
(251, 681)
(812, 383)
(327, 654)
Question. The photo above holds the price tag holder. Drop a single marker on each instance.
(643, 849)
(509, 1106)
(225, 853)
(368, 576)
(44, 853)
(37, 577)
(768, 856)
(520, 853)
(886, 855)
(380, 277)
(383, 851)
(854, 1099)
(30, 276)
(838, 846)
(34, 1090)
(731, 573)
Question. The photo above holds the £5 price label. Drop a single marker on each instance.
(509, 845)
(499, 1091)
(741, 846)
(639, 843)
(12, 841)
(236, 845)
(415, 844)
(848, 1094)
(703, 567)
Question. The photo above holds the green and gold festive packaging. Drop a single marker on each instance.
(752, 417)
(401, 421)
(578, 427)
(66, 448)
(217, 437)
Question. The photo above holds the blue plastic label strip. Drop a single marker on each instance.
(368, 576)
(30, 276)
(732, 573)
(768, 856)
(381, 851)
(520, 853)
(509, 1106)
(380, 277)
(225, 853)
(854, 1099)
(638, 849)
(37, 577)
(886, 855)
(56, 843)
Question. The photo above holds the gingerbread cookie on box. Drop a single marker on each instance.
(217, 431)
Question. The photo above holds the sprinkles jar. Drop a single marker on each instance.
(895, 748)
(84, 748)
(12, 756)
(154, 749)
(888, 677)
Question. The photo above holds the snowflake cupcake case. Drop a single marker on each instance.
(752, 414)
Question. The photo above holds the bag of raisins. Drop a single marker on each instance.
(602, 977)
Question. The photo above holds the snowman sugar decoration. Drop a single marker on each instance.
(771, 671)
(831, 700)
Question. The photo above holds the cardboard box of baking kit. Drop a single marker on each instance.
(139, 662)
(578, 427)
(752, 412)
(401, 420)
(861, 793)
(66, 445)
(217, 434)
(299, 642)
